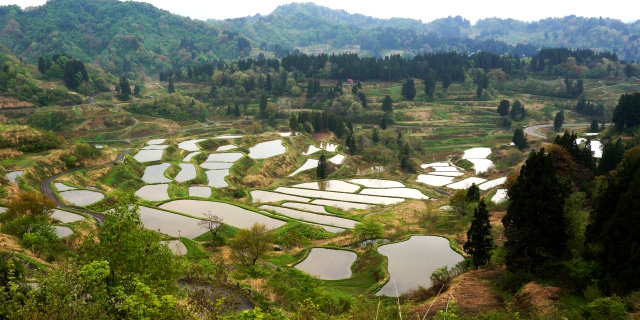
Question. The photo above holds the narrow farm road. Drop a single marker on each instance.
(532, 131)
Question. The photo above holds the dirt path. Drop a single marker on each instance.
(45, 186)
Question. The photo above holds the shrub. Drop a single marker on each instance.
(611, 308)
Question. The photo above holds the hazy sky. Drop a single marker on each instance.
(626, 10)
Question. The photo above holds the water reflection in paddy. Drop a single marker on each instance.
(412, 262)
(176, 246)
(169, 223)
(305, 206)
(268, 196)
(312, 217)
(216, 165)
(187, 172)
(81, 197)
(155, 174)
(267, 149)
(216, 178)
(341, 204)
(14, 175)
(328, 264)
(339, 196)
(377, 183)
(62, 187)
(65, 217)
(148, 155)
(329, 185)
(230, 214)
(62, 231)
(202, 192)
(154, 192)
(224, 157)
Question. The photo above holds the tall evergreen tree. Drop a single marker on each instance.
(387, 104)
(503, 108)
(321, 170)
(125, 89)
(384, 122)
(594, 127)
(627, 111)
(535, 226)
(171, 88)
(42, 66)
(263, 105)
(136, 90)
(612, 235)
(479, 239)
(473, 193)
(519, 139)
(352, 145)
(517, 111)
(375, 136)
(294, 125)
(611, 156)
(269, 83)
(559, 120)
(429, 84)
(409, 89)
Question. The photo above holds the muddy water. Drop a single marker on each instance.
(328, 264)
(411, 262)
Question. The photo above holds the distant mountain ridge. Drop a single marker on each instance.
(303, 25)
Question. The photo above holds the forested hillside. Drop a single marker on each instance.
(121, 37)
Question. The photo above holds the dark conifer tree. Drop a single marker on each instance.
(387, 104)
(473, 193)
(384, 122)
(363, 99)
(42, 67)
(321, 170)
(268, 85)
(294, 125)
(375, 136)
(594, 127)
(171, 89)
(263, 105)
(559, 120)
(503, 108)
(519, 139)
(236, 110)
(429, 84)
(535, 226)
(125, 89)
(611, 156)
(136, 90)
(479, 239)
(409, 89)
(352, 145)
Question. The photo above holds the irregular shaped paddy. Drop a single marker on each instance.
(190, 145)
(156, 141)
(176, 246)
(224, 157)
(14, 175)
(309, 164)
(433, 180)
(216, 165)
(66, 217)
(328, 264)
(500, 196)
(339, 196)
(229, 136)
(155, 174)
(466, 183)
(312, 217)
(169, 223)
(481, 165)
(330, 147)
(267, 149)
(148, 155)
(446, 174)
(154, 192)
(435, 164)
(476, 153)
(446, 169)
(492, 183)
(329, 185)
(337, 159)
(396, 192)
(377, 183)
(343, 205)
(191, 155)
(62, 231)
(216, 178)
(226, 147)
(312, 149)
(268, 196)
(81, 197)
(412, 262)
(187, 172)
(230, 214)
(62, 187)
(202, 192)
(305, 206)
(155, 147)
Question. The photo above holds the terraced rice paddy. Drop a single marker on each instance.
(328, 264)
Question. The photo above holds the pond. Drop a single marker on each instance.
(481, 165)
(309, 164)
(156, 141)
(466, 183)
(191, 155)
(377, 183)
(62, 187)
(187, 172)
(148, 155)
(224, 157)
(65, 217)
(339, 196)
(267, 149)
(190, 145)
(328, 264)
(155, 174)
(14, 175)
(170, 223)
(412, 262)
(216, 165)
(202, 192)
(329, 185)
(216, 178)
(500, 196)
(62, 231)
(492, 183)
(305, 206)
(312, 217)
(268, 196)
(81, 197)
(476, 153)
(337, 159)
(343, 205)
(154, 192)
(176, 246)
(230, 214)
(433, 180)
(396, 192)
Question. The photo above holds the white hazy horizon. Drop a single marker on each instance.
(472, 10)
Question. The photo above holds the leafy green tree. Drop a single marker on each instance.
(473, 193)
(612, 236)
(27, 211)
(559, 120)
(251, 244)
(534, 225)
(519, 139)
(368, 229)
(387, 104)
(503, 108)
(171, 88)
(612, 154)
(479, 239)
(321, 170)
(409, 89)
